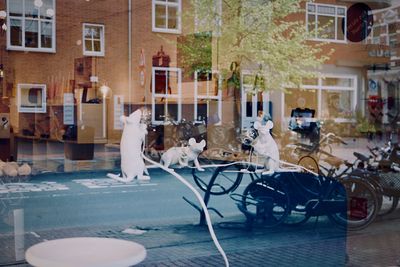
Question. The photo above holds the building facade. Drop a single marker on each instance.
(69, 69)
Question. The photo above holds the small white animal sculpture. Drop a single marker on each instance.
(183, 155)
(24, 170)
(133, 136)
(266, 146)
(10, 169)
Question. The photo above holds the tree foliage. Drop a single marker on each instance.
(258, 33)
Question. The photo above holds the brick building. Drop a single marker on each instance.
(77, 62)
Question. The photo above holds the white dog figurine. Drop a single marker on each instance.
(266, 146)
(133, 135)
(183, 155)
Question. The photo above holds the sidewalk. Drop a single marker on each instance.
(314, 244)
(191, 245)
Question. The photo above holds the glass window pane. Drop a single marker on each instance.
(96, 46)
(15, 8)
(326, 27)
(88, 32)
(326, 10)
(342, 82)
(46, 34)
(340, 11)
(30, 10)
(336, 104)
(16, 32)
(296, 98)
(341, 28)
(88, 46)
(47, 4)
(161, 16)
(172, 18)
(96, 31)
(172, 83)
(311, 23)
(159, 110)
(31, 33)
(249, 105)
(311, 8)
(393, 28)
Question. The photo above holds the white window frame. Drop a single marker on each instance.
(336, 21)
(246, 122)
(207, 97)
(166, 4)
(166, 96)
(320, 88)
(102, 40)
(371, 39)
(22, 86)
(39, 20)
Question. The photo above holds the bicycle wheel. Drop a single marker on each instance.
(225, 179)
(266, 200)
(388, 205)
(309, 163)
(362, 203)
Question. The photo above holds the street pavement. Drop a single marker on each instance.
(154, 215)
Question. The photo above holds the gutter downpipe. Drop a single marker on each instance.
(130, 56)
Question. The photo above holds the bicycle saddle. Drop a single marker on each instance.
(360, 156)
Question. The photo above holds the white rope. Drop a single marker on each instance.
(203, 205)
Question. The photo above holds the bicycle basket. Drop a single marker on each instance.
(390, 182)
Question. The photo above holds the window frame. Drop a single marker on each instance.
(166, 96)
(178, 19)
(247, 121)
(102, 40)
(320, 88)
(39, 20)
(42, 109)
(336, 22)
(208, 96)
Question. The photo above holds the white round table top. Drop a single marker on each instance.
(85, 251)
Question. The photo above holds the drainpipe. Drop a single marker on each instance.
(129, 56)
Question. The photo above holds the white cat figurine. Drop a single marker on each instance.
(133, 136)
(183, 155)
(266, 146)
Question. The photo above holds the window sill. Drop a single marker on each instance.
(88, 54)
(24, 49)
(329, 40)
(161, 30)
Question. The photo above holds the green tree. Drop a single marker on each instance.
(259, 34)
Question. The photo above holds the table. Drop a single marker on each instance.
(85, 251)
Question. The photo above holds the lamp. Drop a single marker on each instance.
(105, 90)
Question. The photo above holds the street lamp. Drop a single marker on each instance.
(105, 90)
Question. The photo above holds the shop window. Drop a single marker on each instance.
(93, 39)
(31, 98)
(166, 103)
(327, 21)
(32, 25)
(331, 96)
(301, 98)
(207, 98)
(378, 35)
(166, 16)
